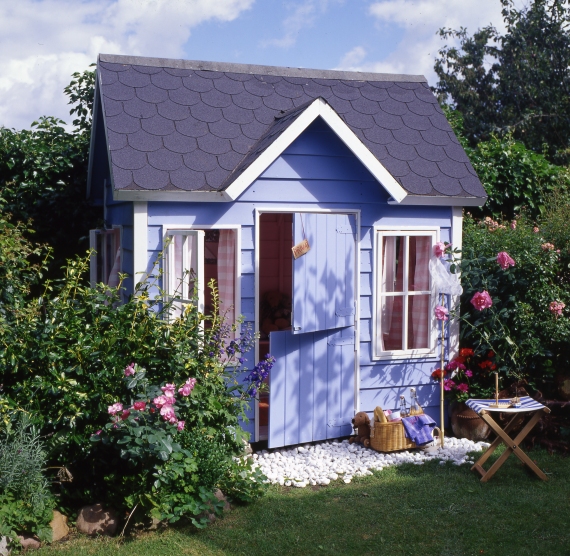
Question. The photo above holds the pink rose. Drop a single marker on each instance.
(130, 369)
(505, 260)
(98, 432)
(556, 308)
(187, 387)
(168, 414)
(139, 406)
(169, 390)
(547, 247)
(125, 414)
(481, 300)
(160, 401)
(115, 408)
(535, 230)
(439, 249)
(441, 313)
(514, 225)
(180, 425)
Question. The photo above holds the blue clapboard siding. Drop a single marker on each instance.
(318, 171)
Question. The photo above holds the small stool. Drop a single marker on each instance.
(484, 408)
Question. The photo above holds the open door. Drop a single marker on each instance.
(312, 381)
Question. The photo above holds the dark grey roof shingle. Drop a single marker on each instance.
(182, 125)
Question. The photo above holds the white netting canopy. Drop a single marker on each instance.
(441, 278)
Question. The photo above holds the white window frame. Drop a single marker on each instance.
(377, 353)
(170, 281)
(93, 259)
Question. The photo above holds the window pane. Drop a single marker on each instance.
(393, 263)
(418, 274)
(391, 325)
(418, 321)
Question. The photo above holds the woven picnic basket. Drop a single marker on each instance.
(388, 436)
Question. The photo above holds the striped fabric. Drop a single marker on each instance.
(527, 404)
(227, 273)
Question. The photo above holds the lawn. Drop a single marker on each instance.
(407, 510)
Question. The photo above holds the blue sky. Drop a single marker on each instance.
(42, 42)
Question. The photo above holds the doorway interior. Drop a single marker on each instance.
(275, 291)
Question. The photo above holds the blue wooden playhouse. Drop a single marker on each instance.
(236, 164)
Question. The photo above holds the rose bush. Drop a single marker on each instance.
(149, 434)
(515, 291)
(62, 355)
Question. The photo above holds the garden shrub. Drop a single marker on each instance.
(63, 355)
(26, 503)
(525, 330)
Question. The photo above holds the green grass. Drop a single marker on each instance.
(413, 510)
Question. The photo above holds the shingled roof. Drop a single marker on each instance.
(183, 129)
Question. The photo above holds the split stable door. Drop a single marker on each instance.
(312, 384)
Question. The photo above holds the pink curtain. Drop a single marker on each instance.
(227, 273)
(392, 309)
(418, 321)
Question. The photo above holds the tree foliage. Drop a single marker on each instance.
(515, 178)
(43, 174)
(518, 82)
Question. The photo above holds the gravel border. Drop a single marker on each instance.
(321, 463)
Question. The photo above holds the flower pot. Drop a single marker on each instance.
(465, 423)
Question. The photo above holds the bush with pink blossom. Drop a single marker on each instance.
(515, 287)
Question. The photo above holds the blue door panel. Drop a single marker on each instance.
(324, 278)
(311, 386)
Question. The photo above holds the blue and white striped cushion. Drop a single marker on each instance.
(527, 404)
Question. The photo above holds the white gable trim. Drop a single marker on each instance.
(317, 108)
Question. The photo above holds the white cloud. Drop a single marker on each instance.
(303, 16)
(42, 42)
(419, 21)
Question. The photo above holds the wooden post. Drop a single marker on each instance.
(441, 401)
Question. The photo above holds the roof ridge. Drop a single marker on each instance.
(259, 69)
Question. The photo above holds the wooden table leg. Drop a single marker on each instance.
(511, 446)
(498, 441)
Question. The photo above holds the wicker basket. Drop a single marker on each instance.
(389, 437)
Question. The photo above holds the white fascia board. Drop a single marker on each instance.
(271, 153)
(375, 167)
(317, 108)
(175, 196)
(440, 201)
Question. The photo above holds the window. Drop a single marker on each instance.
(404, 303)
(194, 258)
(105, 263)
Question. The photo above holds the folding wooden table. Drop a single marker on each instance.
(512, 445)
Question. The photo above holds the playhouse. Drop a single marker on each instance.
(235, 165)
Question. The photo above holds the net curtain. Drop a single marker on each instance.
(393, 281)
(226, 270)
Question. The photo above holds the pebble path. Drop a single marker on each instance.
(319, 464)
